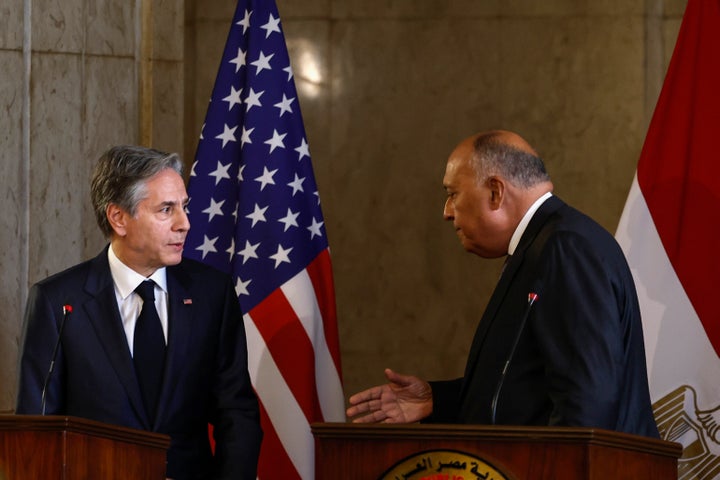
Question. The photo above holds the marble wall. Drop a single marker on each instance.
(387, 88)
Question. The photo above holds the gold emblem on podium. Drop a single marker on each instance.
(443, 465)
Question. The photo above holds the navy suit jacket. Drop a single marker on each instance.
(580, 357)
(205, 381)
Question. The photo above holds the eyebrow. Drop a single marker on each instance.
(172, 203)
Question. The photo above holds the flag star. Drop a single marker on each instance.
(262, 63)
(289, 220)
(192, 169)
(240, 172)
(241, 287)
(208, 246)
(258, 215)
(276, 141)
(253, 100)
(235, 215)
(284, 106)
(272, 25)
(265, 178)
(202, 129)
(231, 249)
(317, 194)
(289, 71)
(281, 256)
(220, 172)
(239, 60)
(234, 97)
(303, 149)
(215, 208)
(296, 185)
(228, 135)
(245, 22)
(315, 228)
(245, 137)
(250, 251)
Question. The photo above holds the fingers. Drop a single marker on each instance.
(358, 407)
(366, 395)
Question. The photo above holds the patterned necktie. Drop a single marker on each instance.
(149, 348)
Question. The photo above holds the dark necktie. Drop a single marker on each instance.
(149, 348)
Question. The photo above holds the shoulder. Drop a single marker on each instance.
(199, 275)
(195, 267)
(73, 275)
(568, 224)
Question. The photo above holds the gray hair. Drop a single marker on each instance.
(120, 178)
(492, 156)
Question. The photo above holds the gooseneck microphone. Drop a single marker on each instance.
(67, 310)
(493, 405)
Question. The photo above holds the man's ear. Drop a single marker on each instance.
(118, 218)
(496, 185)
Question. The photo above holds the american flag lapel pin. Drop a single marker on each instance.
(187, 301)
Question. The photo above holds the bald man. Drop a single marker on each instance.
(560, 342)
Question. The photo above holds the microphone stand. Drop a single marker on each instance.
(493, 405)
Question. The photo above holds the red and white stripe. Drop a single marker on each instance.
(294, 364)
(670, 232)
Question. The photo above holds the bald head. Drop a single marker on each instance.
(506, 154)
(491, 179)
(504, 137)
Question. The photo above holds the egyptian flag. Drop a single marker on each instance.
(670, 232)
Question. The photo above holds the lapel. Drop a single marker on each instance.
(510, 271)
(104, 316)
(180, 321)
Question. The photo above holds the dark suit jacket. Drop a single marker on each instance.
(206, 378)
(580, 358)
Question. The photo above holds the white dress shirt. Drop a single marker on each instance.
(515, 239)
(126, 280)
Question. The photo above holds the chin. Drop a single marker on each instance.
(174, 260)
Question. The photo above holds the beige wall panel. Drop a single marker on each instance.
(529, 8)
(58, 26)
(290, 9)
(57, 180)
(574, 87)
(167, 115)
(222, 10)
(674, 8)
(11, 33)
(12, 222)
(431, 9)
(408, 296)
(110, 27)
(168, 17)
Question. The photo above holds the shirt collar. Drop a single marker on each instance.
(126, 279)
(515, 239)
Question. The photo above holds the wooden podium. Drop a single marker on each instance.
(70, 448)
(465, 452)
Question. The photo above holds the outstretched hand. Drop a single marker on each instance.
(405, 399)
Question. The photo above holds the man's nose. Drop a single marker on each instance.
(448, 212)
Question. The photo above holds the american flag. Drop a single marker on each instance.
(255, 212)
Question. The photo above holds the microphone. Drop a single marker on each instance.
(532, 297)
(67, 310)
